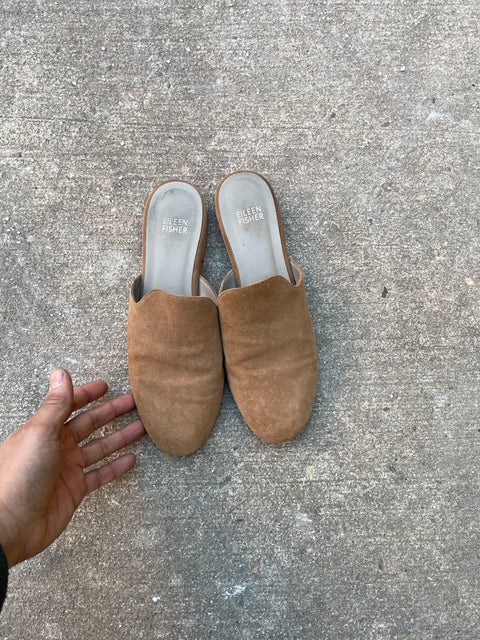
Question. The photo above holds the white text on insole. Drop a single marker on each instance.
(174, 225)
(250, 214)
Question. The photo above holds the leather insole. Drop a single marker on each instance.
(173, 230)
(249, 217)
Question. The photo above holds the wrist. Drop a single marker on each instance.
(8, 540)
(4, 567)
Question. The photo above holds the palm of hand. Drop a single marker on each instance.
(68, 492)
(43, 469)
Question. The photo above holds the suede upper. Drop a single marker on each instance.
(175, 365)
(270, 354)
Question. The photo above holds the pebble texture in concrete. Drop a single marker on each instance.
(364, 116)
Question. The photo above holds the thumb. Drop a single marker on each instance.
(58, 403)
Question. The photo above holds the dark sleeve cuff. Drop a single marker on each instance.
(3, 576)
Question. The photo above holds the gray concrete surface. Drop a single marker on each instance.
(364, 116)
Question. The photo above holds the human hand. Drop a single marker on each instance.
(42, 465)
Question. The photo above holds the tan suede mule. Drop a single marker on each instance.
(175, 359)
(268, 339)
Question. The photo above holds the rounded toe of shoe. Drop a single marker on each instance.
(279, 417)
(180, 432)
(177, 445)
(277, 430)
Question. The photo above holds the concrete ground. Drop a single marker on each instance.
(364, 116)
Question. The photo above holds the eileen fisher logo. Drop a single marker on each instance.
(174, 225)
(251, 214)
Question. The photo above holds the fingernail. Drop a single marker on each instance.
(56, 378)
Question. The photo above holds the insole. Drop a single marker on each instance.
(249, 217)
(174, 225)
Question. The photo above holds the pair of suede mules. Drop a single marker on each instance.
(180, 331)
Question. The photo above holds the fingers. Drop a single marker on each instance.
(99, 477)
(58, 403)
(84, 424)
(88, 393)
(100, 448)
